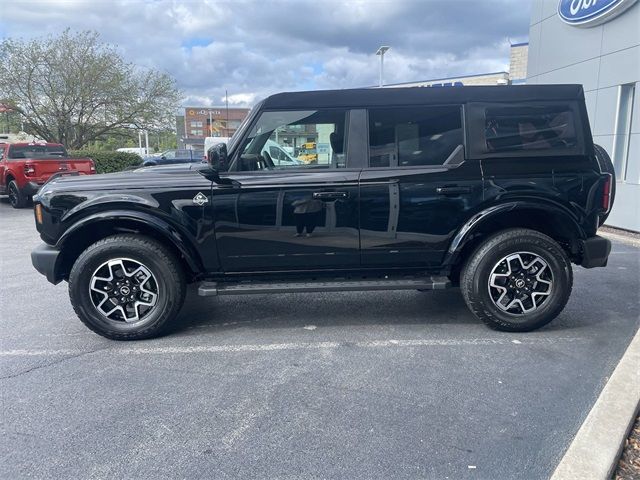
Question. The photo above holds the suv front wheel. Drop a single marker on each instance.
(127, 287)
(517, 280)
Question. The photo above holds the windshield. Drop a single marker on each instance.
(231, 144)
(37, 151)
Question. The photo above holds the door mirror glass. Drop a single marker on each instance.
(217, 157)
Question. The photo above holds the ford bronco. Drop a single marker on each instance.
(495, 190)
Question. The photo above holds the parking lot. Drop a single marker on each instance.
(334, 385)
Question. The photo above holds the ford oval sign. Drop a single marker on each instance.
(589, 13)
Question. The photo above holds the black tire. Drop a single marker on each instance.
(167, 277)
(477, 272)
(16, 198)
(606, 166)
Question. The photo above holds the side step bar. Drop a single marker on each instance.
(207, 289)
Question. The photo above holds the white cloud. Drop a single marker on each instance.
(253, 48)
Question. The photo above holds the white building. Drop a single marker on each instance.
(597, 44)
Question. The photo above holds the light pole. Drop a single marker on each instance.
(381, 51)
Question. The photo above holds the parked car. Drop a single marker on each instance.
(141, 152)
(495, 190)
(278, 155)
(169, 157)
(25, 167)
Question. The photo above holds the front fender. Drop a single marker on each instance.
(146, 220)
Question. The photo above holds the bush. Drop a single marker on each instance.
(108, 162)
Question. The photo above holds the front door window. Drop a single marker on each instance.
(302, 139)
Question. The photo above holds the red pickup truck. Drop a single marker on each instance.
(25, 167)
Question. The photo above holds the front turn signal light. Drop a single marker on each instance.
(38, 211)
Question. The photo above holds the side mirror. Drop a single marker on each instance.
(217, 157)
(163, 157)
(210, 173)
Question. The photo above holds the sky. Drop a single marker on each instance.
(253, 48)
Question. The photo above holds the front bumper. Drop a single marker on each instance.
(45, 260)
(595, 251)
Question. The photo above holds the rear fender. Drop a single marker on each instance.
(494, 214)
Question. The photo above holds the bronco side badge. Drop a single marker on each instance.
(200, 199)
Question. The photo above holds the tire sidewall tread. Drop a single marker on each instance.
(153, 255)
(474, 278)
(21, 200)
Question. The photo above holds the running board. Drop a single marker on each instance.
(207, 289)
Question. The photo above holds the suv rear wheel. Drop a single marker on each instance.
(517, 280)
(127, 287)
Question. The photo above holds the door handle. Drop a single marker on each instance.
(452, 190)
(330, 195)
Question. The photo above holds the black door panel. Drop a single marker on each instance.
(409, 216)
(257, 223)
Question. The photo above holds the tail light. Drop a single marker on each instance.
(29, 170)
(606, 193)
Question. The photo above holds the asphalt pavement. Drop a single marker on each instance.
(335, 385)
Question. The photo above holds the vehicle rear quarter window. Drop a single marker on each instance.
(413, 136)
(517, 128)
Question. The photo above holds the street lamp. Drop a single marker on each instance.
(381, 51)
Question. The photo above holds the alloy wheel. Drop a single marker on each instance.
(124, 290)
(520, 283)
(13, 195)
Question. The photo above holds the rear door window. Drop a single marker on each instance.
(413, 136)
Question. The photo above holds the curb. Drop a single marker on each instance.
(623, 238)
(595, 450)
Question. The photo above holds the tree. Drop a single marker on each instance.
(73, 89)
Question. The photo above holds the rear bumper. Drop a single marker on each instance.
(595, 252)
(45, 260)
(31, 188)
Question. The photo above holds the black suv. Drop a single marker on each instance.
(496, 190)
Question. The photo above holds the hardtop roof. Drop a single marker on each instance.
(379, 97)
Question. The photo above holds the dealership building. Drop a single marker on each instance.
(596, 43)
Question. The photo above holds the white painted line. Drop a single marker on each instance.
(595, 450)
(453, 342)
(38, 353)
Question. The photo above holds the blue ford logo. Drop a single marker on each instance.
(589, 13)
